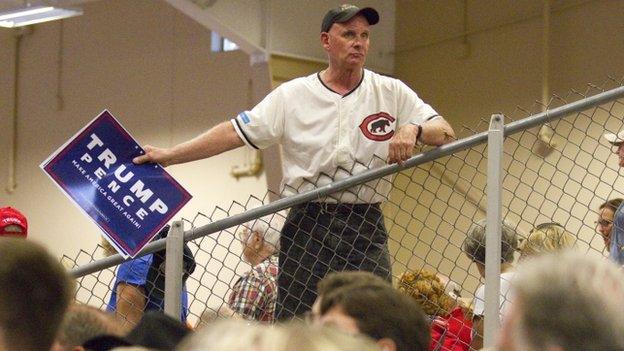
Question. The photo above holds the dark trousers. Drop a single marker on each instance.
(319, 238)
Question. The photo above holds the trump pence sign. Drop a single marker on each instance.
(130, 203)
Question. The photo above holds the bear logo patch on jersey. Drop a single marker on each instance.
(376, 127)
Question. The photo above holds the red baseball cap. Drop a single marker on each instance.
(12, 222)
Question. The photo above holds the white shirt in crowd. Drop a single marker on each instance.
(505, 296)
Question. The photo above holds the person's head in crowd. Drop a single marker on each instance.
(35, 291)
(155, 330)
(617, 140)
(604, 224)
(238, 335)
(12, 223)
(568, 301)
(303, 338)
(451, 320)
(261, 238)
(335, 280)
(546, 238)
(428, 290)
(474, 248)
(81, 323)
(394, 320)
(474, 245)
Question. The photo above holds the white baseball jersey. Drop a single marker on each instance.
(326, 136)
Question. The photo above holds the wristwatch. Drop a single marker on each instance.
(419, 133)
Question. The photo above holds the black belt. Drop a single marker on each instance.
(340, 207)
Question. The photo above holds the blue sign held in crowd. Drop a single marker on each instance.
(129, 202)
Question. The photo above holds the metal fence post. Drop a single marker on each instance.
(173, 269)
(493, 230)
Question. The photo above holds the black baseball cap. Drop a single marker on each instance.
(345, 12)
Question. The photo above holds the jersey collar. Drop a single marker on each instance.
(318, 75)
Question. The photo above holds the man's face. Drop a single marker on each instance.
(347, 43)
(249, 252)
(604, 225)
(336, 317)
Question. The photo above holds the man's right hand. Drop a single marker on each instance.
(154, 154)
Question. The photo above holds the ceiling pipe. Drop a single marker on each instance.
(546, 133)
(19, 34)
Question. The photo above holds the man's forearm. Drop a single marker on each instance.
(130, 304)
(437, 132)
(219, 139)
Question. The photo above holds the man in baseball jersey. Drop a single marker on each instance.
(332, 124)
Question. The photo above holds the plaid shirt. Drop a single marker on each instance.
(255, 293)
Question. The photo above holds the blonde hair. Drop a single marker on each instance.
(428, 290)
(238, 335)
(546, 238)
(109, 250)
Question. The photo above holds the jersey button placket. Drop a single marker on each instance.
(342, 151)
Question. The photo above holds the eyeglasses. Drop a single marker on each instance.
(603, 222)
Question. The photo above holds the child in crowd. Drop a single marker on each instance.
(451, 326)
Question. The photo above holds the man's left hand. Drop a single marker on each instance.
(435, 133)
(402, 144)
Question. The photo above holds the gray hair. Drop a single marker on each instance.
(474, 245)
(83, 322)
(238, 335)
(570, 300)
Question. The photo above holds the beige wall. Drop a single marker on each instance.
(495, 68)
(151, 67)
(288, 27)
(295, 26)
(500, 66)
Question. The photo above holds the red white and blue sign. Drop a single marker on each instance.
(129, 202)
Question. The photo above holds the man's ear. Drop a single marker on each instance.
(386, 344)
(325, 40)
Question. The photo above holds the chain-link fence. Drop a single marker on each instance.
(556, 168)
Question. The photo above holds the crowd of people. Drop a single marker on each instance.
(321, 278)
(557, 298)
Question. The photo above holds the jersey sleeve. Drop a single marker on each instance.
(134, 272)
(263, 125)
(412, 109)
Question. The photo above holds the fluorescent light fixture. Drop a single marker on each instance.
(35, 14)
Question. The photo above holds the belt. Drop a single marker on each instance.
(340, 207)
